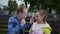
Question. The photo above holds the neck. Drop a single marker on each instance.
(41, 22)
(18, 17)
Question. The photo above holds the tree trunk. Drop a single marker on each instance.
(9, 13)
(50, 10)
(26, 4)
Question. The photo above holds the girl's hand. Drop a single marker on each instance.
(31, 20)
(23, 22)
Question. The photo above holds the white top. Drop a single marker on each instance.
(37, 28)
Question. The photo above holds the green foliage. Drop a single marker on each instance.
(12, 5)
(44, 3)
(51, 4)
(33, 4)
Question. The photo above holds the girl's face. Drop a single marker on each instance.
(23, 15)
(39, 17)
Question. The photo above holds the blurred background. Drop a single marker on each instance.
(9, 8)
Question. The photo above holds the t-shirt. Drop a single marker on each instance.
(40, 28)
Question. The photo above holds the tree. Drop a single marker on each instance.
(44, 3)
(25, 3)
(12, 6)
(51, 4)
(0, 9)
(32, 4)
(58, 6)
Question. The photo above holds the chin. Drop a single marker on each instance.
(37, 21)
(25, 17)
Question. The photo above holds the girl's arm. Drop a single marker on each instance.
(47, 31)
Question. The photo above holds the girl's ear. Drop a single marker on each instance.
(43, 16)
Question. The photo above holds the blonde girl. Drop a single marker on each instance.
(40, 26)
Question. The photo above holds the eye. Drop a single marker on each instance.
(36, 16)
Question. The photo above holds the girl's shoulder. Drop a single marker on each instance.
(47, 26)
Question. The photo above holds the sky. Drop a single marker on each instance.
(5, 2)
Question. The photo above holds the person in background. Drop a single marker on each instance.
(17, 24)
(40, 26)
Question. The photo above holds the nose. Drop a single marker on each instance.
(25, 16)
